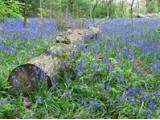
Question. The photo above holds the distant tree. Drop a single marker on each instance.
(138, 7)
(52, 8)
(71, 5)
(30, 8)
(122, 2)
(107, 7)
(25, 11)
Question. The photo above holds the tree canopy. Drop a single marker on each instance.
(10, 8)
(75, 8)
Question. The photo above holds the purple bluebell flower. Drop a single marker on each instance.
(108, 88)
(110, 101)
(2, 46)
(63, 65)
(124, 51)
(11, 49)
(52, 53)
(67, 79)
(103, 85)
(67, 93)
(3, 101)
(83, 48)
(106, 60)
(83, 102)
(79, 67)
(148, 113)
(120, 77)
(95, 102)
(132, 91)
(14, 108)
(146, 95)
(139, 70)
(95, 67)
(72, 54)
(121, 97)
(127, 53)
(156, 65)
(90, 109)
(152, 105)
(39, 99)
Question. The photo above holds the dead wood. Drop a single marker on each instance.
(27, 77)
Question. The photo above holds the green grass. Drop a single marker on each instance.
(98, 90)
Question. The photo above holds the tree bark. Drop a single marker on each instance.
(25, 14)
(41, 69)
(41, 9)
(158, 3)
(132, 12)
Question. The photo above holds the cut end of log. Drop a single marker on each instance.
(26, 78)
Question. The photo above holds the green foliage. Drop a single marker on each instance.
(152, 6)
(116, 10)
(78, 8)
(10, 8)
(75, 8)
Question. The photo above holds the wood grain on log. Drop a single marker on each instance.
(27, 77)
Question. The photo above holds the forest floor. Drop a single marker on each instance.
(116, 76)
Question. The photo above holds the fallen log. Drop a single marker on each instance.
(27, 77)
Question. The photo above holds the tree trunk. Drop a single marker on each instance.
(41, 9)
(158, 3)
(27, 77)
(132, 12)
(70, 6)
(93, 12)
(108, 7)
(25, 14)
(122, 7)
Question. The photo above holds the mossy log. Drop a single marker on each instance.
(27, 77)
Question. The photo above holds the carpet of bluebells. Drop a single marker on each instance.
(115, 75)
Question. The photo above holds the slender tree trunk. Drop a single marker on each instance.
(50, 11)
(108, 5)
(90, 9)
(158, 3)
(122, 7)
(138, 7)
(41, 10)
(93, 11)
(147, 4)
(132, 12)
(67, 13)
(77, 11)
(70, 6)
(25, 14)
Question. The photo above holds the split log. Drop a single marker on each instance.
(27, 77)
